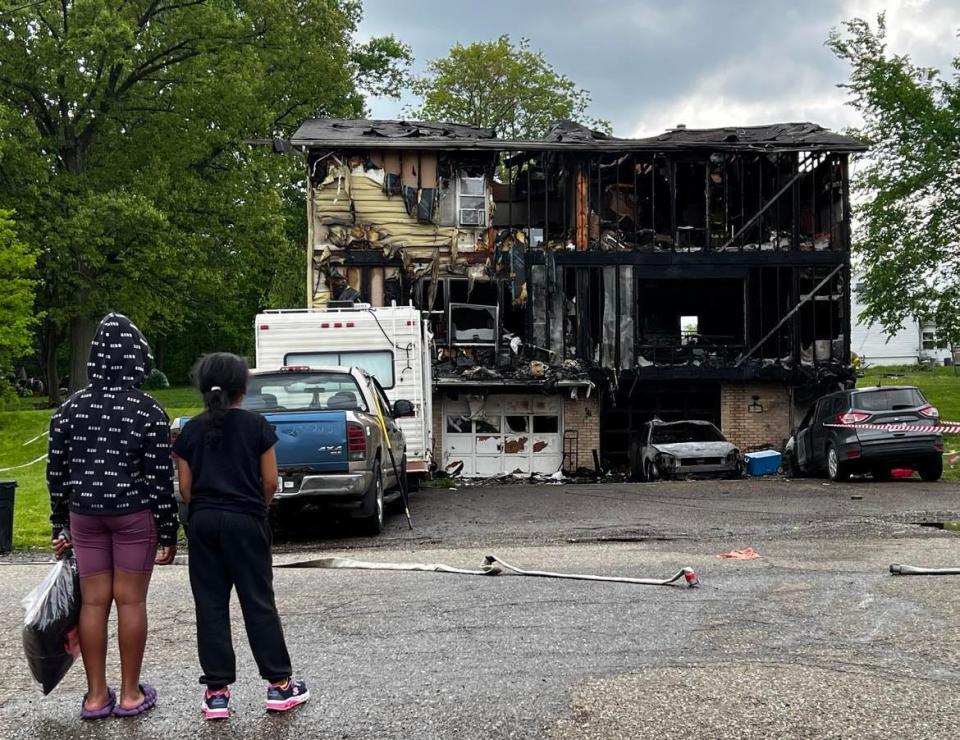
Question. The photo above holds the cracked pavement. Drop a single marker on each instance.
(814, 639)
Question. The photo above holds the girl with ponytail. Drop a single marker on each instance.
(227, 469)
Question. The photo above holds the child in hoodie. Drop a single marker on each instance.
(228, 474)
(111, 496)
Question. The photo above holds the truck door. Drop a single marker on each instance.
(393, 428)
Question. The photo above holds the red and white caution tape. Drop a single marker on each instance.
(950, 427)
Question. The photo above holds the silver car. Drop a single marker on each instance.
(671, 449)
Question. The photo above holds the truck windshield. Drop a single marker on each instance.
(303, 391)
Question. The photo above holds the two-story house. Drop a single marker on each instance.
(580, 284)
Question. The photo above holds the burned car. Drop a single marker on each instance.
(678, 448)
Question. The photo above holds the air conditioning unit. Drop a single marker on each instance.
(473, 217)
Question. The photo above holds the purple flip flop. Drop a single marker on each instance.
(105, 711)
(149, 700)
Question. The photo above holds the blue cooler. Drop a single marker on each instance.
(764, 462)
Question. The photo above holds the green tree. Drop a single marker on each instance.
(16, 298)
(501, 85)
(128, 167)
(908, 186)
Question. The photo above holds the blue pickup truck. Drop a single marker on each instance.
(331, 450)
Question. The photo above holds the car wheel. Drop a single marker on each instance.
(932, 470)
(836, 470)
(650, 472)
(372, 524)
(880, 473)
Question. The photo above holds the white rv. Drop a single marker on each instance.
(393, 344)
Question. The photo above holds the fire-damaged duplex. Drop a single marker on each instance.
(580, 285)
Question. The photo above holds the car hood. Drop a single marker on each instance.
(696, 449)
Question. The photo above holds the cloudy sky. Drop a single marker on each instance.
(651, 64)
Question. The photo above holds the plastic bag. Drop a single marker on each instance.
(50, 625)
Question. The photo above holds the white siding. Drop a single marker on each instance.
(877, 348)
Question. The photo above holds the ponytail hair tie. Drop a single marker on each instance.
(215, 388)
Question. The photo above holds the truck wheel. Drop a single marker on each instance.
(372, 524)
(650, 472)
(932, 470)
(836, 470)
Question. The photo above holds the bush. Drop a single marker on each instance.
(155, 381)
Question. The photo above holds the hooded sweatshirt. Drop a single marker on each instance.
(109, 448)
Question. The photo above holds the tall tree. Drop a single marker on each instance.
(501, 85)
(141, 195)
(16, 298)
(908, 186)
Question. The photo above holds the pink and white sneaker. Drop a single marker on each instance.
(286, 695)
(215, 704)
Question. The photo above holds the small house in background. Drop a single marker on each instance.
(580, 284)
(916, 342)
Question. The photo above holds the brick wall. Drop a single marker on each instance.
(583, 415)
(747, 429)
(437, 427)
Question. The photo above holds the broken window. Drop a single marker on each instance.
(546, 425)
(459, 425)
(516, 423)
(472, 325)
(487, 425)
(471, 200)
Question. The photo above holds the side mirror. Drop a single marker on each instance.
(402, 408)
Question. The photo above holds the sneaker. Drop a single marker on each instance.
(214, 704)
(286, 695)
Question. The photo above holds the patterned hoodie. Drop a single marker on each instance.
(110, 442)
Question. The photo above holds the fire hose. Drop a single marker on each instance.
(492, 566)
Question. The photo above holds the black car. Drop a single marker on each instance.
(816, 447)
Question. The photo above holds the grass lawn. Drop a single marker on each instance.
(31, 524)
(941, 386)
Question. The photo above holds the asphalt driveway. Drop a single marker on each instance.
(813, 639)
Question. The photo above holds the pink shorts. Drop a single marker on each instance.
(103, 544)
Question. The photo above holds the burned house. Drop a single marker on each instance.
(580, 284)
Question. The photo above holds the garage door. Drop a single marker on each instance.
(502, 434)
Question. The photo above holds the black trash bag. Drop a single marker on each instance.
(50, 625)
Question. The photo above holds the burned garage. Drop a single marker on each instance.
(580, 285)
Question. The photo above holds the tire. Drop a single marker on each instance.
(372, 524)
(650, 472)
(836, 470)
(931, 471)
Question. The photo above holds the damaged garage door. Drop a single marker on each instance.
(498, 434)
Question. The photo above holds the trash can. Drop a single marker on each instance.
(8, 490)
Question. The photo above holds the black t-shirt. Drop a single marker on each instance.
(225, 463)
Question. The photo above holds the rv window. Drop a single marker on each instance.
(378, 363)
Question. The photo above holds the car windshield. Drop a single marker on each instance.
(673, 433)
(888, 399)
(303, 391)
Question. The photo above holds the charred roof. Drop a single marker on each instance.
(362, 132)
(567, 136)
